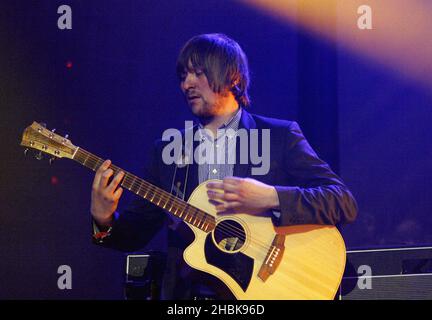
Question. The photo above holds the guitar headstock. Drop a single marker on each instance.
(37, 137)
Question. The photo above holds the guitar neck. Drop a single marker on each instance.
(152, 193)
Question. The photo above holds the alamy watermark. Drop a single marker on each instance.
(65, 20)
(364, 21)
(365, 277)
(65, 280)
(250, 142)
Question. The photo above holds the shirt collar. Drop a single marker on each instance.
(231, 123)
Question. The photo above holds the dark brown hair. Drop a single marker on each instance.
(223, 62)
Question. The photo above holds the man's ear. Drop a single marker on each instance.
(235, 83)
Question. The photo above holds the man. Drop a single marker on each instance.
(298, 188)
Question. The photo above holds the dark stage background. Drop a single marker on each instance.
(110, 83)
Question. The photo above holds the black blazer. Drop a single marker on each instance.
(309, 193)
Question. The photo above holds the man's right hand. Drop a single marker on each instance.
(105, 197)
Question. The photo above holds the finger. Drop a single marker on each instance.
(231, 197)
(105, 177)
(215, 202)
(230, 188)
(228, 206)
(117, 194)
(103, 167)
(232, 180)
(115, 182)
(232, 205)
(222, 196)
(215, 185)
(215, 195)
(226, 187)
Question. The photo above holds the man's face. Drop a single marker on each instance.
(204, 102)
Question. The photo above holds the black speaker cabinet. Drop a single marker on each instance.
(396, 273)
(144, 275)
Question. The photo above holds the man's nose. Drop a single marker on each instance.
(188, 82)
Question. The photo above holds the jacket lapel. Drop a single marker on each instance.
(192, 179)
(242, 170)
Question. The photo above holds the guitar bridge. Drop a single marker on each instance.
(273, 258)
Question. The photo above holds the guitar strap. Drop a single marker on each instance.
(178, 188)
(179, 180)
(181, 169)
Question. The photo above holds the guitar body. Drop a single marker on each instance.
(310, 263)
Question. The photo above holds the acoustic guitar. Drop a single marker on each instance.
(252, 257)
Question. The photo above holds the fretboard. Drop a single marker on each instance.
(152, 193)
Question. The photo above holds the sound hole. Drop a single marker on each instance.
(229, 236)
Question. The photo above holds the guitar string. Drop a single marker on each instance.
(228, 230)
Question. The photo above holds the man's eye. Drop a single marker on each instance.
(198, 72)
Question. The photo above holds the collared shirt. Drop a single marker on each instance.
(216, 161)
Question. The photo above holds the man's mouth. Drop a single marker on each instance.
(193, 97)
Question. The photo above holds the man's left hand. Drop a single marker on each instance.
(243, 195)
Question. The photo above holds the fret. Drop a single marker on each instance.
(162, 202)
(188, 215)
(181, 213)
(139, 188)
(125, 183)
(168, 203)
(199, 221)
(146, 192)
(98, 162)
(136, 187)
(140, 192)
(135, 184)
(172, 204)
(202, 220)
(86, 158)
(196, 217)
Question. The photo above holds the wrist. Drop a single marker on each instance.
(273, 199)
(104, 223)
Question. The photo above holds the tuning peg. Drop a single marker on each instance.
(51, 135)
(39, 156)
(51, 160)
(65, 138)
(25, 151)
